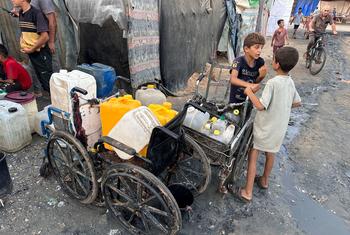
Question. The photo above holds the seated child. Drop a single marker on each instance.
(17, 78)
(271, 121)
(248, 70)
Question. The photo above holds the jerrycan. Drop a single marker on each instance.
(134, 129)
(114, 109)
(150, 95)
(62, 83)
(164, 113)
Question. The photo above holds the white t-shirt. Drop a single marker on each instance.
(270, 125)
(298, 18)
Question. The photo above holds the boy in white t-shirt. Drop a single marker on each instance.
(271, 121)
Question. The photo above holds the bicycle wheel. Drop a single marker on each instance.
(317, 61)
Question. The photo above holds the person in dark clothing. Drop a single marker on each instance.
(17, 78)
(34, 39)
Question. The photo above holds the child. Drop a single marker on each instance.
(280, 37)
(17, 78)
(248, 70)
(271, 121)
(34, 38)
(297, 19)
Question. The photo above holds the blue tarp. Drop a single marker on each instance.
(307, 6)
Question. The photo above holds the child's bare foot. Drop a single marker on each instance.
(262, 182)
(241, 195)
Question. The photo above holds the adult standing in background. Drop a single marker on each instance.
(47, 7)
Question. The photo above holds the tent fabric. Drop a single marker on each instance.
(307, 6)
(190, 32)
(342, 7)
(143, 42)
(280, 9)
(98, 11)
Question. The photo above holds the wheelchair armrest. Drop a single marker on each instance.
(168, 132)
(118, 145)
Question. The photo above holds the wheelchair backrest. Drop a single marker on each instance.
(165, 143)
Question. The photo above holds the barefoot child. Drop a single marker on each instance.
(271, 121)
(280, 37)
(248, 70)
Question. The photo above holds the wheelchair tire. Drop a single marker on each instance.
(140, 201)
(72, 167)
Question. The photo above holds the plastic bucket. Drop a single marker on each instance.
(182, 195)
(5, 178)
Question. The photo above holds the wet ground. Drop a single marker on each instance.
(308, 193)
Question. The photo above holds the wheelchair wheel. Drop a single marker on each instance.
(72, 167)
(140, 201)
(192, 168)
(241, 160)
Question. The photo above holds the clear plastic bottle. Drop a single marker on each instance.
(228, 134)
(206, 129)
(233, 116)
(219, 124)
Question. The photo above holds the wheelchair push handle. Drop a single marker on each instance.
(78, 90)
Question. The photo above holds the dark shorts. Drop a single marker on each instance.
(296, 26)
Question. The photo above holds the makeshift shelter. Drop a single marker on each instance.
(145, 40)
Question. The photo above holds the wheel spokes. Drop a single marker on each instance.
(154, 221)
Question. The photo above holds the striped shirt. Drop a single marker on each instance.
(32, 23)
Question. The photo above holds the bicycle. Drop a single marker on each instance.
(316, 59)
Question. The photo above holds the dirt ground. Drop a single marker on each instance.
(308, 193)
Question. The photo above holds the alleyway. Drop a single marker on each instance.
(308, 194)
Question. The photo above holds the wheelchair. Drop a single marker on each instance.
(137, 192)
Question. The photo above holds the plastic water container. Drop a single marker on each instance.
(206, 129)
(28, 101)
(217, 135)
(14, 127)
(150, 95)
(62, 83)
(195, 119)
(228, 134)
(134, 129)
(233, 116)
(219, 124)
(105, 77)
(91, 122)
(114, 109)
(164, 112)
(39, 118)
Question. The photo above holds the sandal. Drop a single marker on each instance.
(258, 182)
(237, 193)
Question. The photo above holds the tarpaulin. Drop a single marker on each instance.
(307, 6)
(189, 32)
(280, 9)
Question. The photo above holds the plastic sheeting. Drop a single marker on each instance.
(280, 9)
(189, 32)
(307, 6)
(98, 11)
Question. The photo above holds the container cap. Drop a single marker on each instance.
(217, 132)
(168, 105)
(213, 119)
(20, 97)
(236, 112)
(222, 117)
(151, 86)
(128, 97)
(207, 126)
